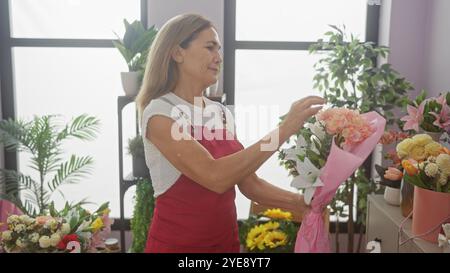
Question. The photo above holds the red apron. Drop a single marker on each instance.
(189, 218)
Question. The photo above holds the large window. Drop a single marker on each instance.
(267, 64)
(62, 62)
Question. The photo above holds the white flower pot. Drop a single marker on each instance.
(130, 83)
(392, 196)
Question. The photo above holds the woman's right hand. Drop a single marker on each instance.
(300, 111)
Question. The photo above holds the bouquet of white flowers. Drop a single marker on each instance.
(73, 229)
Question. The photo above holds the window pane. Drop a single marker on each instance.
(71, 18)
(297, 20)
(70, 82)
(269, 81)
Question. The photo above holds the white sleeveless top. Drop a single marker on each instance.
(163, 174)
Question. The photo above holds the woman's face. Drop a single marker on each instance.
(201, 60)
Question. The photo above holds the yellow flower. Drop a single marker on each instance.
(97, 224)
(271, 226)
(106, 211)
(421, 139)
(275, 238)
(433, 148)
(404, 147)
(443, 161)
(255, 238)
(278, 214)
(417, 152)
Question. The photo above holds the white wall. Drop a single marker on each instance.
(417, 33)
(407, 28)
(159, 11)
(437, 47)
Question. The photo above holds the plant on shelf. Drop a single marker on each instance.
(142, 214)
(134, 47)
(136, 150)
(42, 139)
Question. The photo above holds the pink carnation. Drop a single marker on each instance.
(347, 123)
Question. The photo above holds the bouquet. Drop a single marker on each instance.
(72, 229)
(329, 150)
(426, 163)
(431, 115)
(271, 231)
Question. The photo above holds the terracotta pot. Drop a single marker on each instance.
(431, 209)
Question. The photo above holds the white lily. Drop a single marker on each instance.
(292, 153)
(317, 129)
(308, 179)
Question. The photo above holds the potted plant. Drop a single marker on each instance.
(42, 139)
(134, 47)
(136, 150)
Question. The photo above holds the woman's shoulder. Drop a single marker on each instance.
(158, 106)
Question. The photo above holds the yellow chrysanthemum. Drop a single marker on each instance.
(97, 224)
(404, 147)
(433, 148)
(278, 214)
(275, 238)
(255, 237)
(417, 152)
(421, 139)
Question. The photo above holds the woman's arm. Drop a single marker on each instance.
(219, 175)
(264, 193)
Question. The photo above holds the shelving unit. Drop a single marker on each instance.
(125, 183)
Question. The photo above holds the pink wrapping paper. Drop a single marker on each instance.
(312, 236)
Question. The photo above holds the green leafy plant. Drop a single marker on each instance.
(42, 139)
(135, 44)
(142, 214)
(347, 76)
(136, 146)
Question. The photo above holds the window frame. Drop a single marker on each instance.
(231, 45)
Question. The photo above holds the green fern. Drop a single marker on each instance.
(42, 138)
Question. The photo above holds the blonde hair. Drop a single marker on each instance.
(161, 74)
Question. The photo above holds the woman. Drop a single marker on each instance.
(194, 175)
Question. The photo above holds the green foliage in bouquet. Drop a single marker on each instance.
(270, 232)
(42, 139)
(142, 214)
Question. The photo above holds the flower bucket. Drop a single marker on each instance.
(430, 209)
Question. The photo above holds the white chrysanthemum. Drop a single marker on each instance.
(65, 228)
(432, 170)
(20, 228)
(6, 235)
(13, 219)
(20, 243)
(51, 224)
(443, 161)
(443, 178)
(34, 238)
(44, 242)
(55, 239)
(27, 220)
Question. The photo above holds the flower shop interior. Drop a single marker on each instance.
(73, 172)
